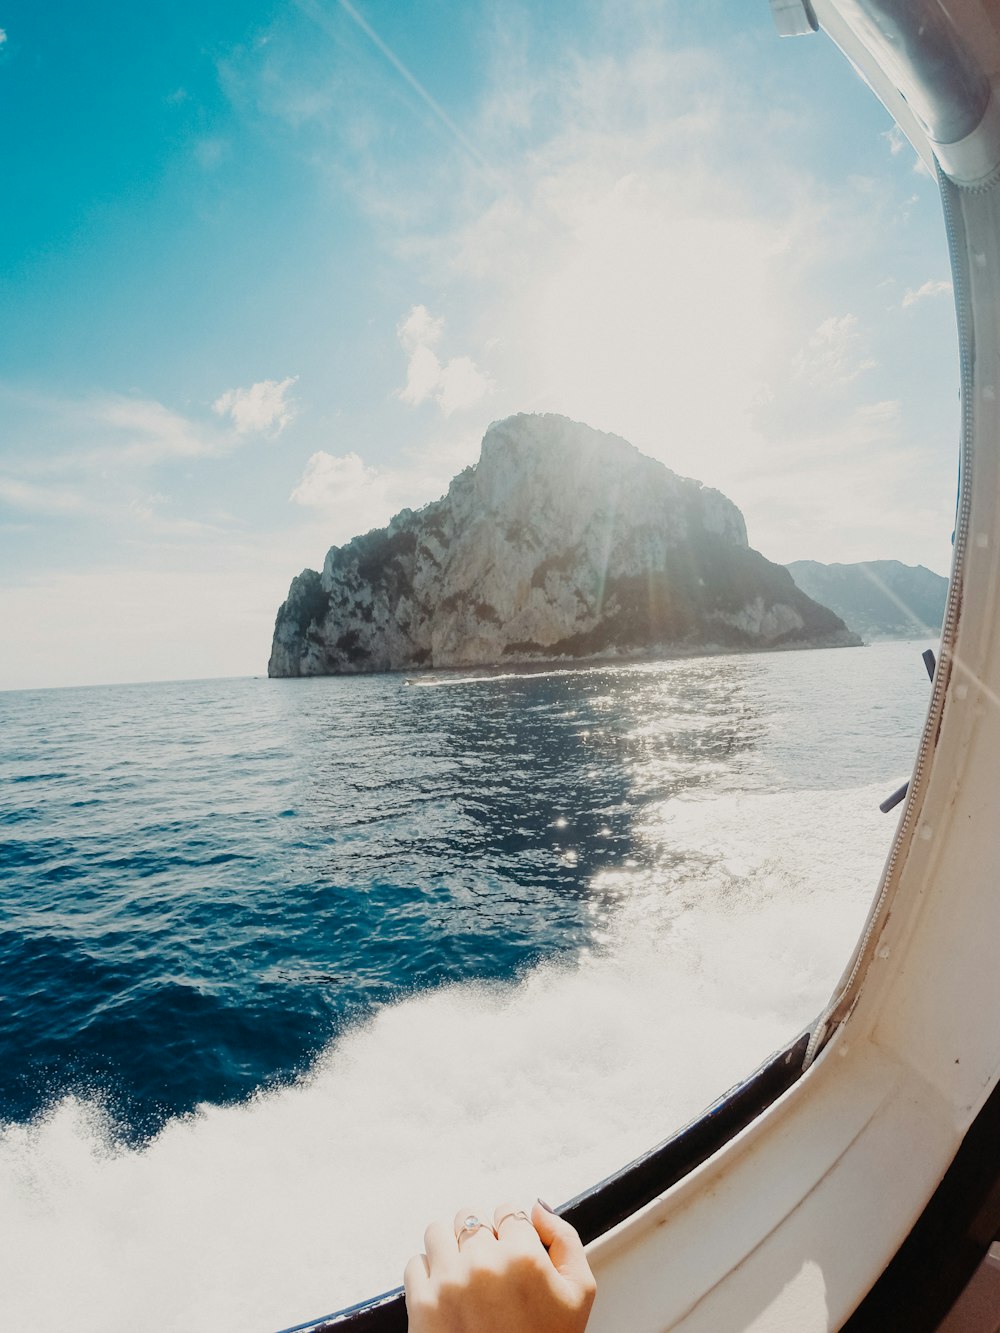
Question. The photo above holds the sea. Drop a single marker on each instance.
(288, 968)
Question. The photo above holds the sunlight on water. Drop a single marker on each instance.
(712, 941)
(310, 1198)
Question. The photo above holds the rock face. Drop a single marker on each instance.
(562, 541)
(880, 599)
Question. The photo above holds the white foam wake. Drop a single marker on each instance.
(305, 1199)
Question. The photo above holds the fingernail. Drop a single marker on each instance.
(547, 1206)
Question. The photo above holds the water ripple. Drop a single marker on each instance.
(205, 882)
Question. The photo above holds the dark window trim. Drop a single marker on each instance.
(603, 1206)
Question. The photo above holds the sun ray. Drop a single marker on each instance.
(319, 16)
(897, 601)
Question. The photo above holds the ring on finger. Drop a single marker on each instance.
(514, 1212)
(470, 1226)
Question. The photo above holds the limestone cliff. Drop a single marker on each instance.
(562, 541)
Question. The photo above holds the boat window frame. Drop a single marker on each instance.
(619, 1196)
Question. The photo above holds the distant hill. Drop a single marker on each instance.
(878, 599)
(561, 542)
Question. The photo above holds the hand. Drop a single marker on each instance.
(519, 1276)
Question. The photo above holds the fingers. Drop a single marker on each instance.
(515, 1229)
(440, 1248)
(416, 1278)
(564, 1246)
(534, 1275)
(472, 1239)
(445, 1245)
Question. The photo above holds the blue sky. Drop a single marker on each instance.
(267, 272)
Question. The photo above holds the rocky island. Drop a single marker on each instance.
(561, 542)
(880, 599)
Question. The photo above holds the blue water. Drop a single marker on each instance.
(252, 898)
(204, 882)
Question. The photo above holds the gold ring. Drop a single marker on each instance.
(514, 1213)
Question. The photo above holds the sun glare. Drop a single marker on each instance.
(657, 327)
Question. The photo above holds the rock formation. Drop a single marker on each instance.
(561, 542)
(879, 599)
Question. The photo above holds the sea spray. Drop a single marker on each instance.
(644, 879)
(309, 1197)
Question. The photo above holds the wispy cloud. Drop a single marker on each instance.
(263, 409)
(210, 151)
(835, 354)
(454, 385)
(142, 430)
(932, 287)
(37, 499)
(126, 431)
(897, 142)
(3, 36)
(609, 228)
(617, 276)
(95, 458)
(318, 16)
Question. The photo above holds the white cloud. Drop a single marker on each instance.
(834, 354)
(144, 431)
(619, 278)
(461, 385)
(264, 408)
(3, 36)
(423, 375)
(103, 436)
(933, 287)
(420, 329)
(456, 385)
(897, 142)
(636, 261)
(38, 499)
(329, 481)
(152, 432)
(350, 497)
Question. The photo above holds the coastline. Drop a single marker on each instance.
(523, 664)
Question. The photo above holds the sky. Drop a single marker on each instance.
(269, 270)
